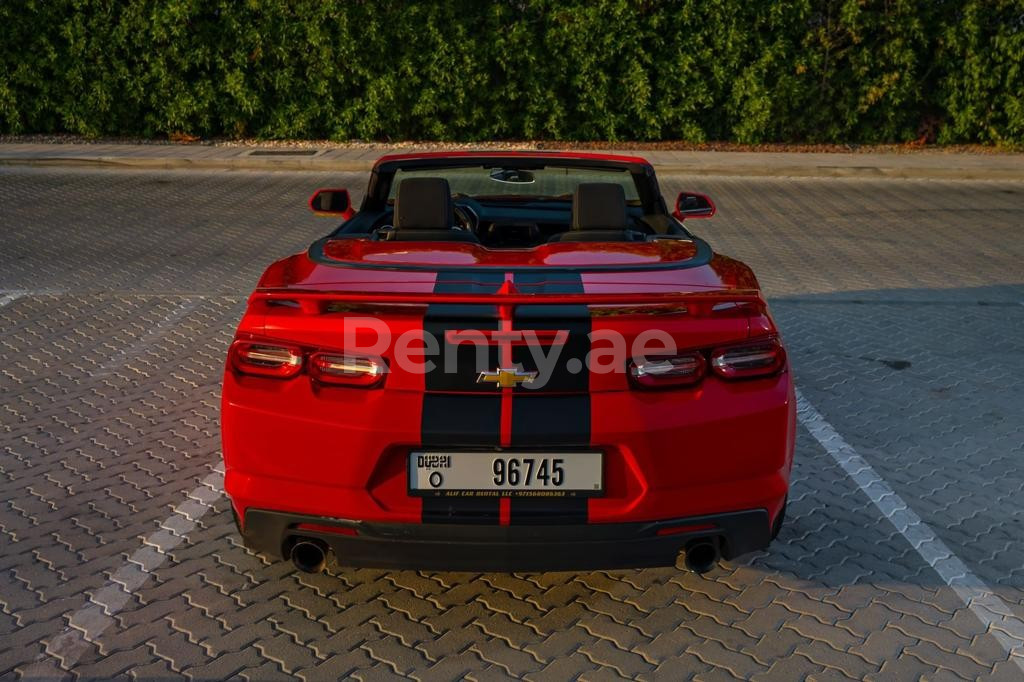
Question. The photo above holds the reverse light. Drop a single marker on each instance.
(264, 359)
(748, 360)
(680, 370)
(348, 370)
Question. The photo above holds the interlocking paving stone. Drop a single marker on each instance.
(152, 671)
(266, 671)
(109, 419)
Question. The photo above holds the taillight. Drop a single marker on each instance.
(747, 360)
(680, 370)
(348, 370)
(266, 359)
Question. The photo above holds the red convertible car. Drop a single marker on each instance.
(508, 361)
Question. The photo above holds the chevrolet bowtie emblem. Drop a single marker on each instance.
(506, 378)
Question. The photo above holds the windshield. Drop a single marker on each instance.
(520, 184)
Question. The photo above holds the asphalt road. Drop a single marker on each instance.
(902, 304)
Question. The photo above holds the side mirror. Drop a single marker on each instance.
(693, 205)
(331, 202)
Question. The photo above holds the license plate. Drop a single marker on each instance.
(505, 473)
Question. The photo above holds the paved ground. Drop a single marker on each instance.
(902, 303)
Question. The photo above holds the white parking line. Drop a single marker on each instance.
(995, 614)
(89, 622)
(18, 293)
(124, 355)
(11, 297)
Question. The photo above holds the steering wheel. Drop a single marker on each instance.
(467, 212)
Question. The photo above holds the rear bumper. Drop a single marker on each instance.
(507, 548)
(668, 455)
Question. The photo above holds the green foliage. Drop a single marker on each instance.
(750, 71)
(984, 96)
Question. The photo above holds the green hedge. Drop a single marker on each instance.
(743, 70)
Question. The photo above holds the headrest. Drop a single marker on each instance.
(599, 206)
(423, 204)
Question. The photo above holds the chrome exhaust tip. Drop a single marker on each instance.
(308, 555)
(702, 555)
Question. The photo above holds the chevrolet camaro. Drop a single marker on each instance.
(508, 361)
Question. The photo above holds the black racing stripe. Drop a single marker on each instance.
(462, 282)
(461, 510)
(457, 367)
(548, 282)
(452, 420)
(546, 511)
(551, 421)
(456, 420)
(557, 414)
(569, 371)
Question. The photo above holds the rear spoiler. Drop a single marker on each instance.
(319, 302)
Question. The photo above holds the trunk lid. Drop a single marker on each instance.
(487, 318)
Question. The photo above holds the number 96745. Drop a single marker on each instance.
(528, 472)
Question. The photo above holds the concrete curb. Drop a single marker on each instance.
(937, 167)
(156, 163)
